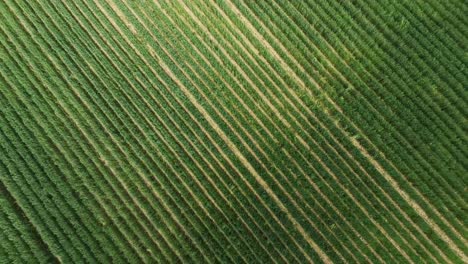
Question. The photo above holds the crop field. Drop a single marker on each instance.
(233, 131)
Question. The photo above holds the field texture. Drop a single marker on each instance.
(233, 131)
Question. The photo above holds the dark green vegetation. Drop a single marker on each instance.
(233, 131)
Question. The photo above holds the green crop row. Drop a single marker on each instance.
(232, 131)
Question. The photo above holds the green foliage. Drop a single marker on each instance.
(232, 131)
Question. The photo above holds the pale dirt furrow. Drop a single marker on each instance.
(413, 204)
(214, 155)
(364, 171)
(417, 191)
(375, 223)
(366, 20)
(158, 59)
(188, 113)
(282, 188)
(438, 231)
(341, 76)
(191, 173)
(265, 155)
(380, 228)
(361, 132)
(81, 99)
(157, 132)
(153, 146)
(249, 167)
(254, 143)
(169, 164)
(404, 214)
(429, 240)
(89, 107)
(297, 193)
(302, 141)
(355, 51)
(146, 214)
(196, 162)
(236, 151)
(128, 82)
(133, 28)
